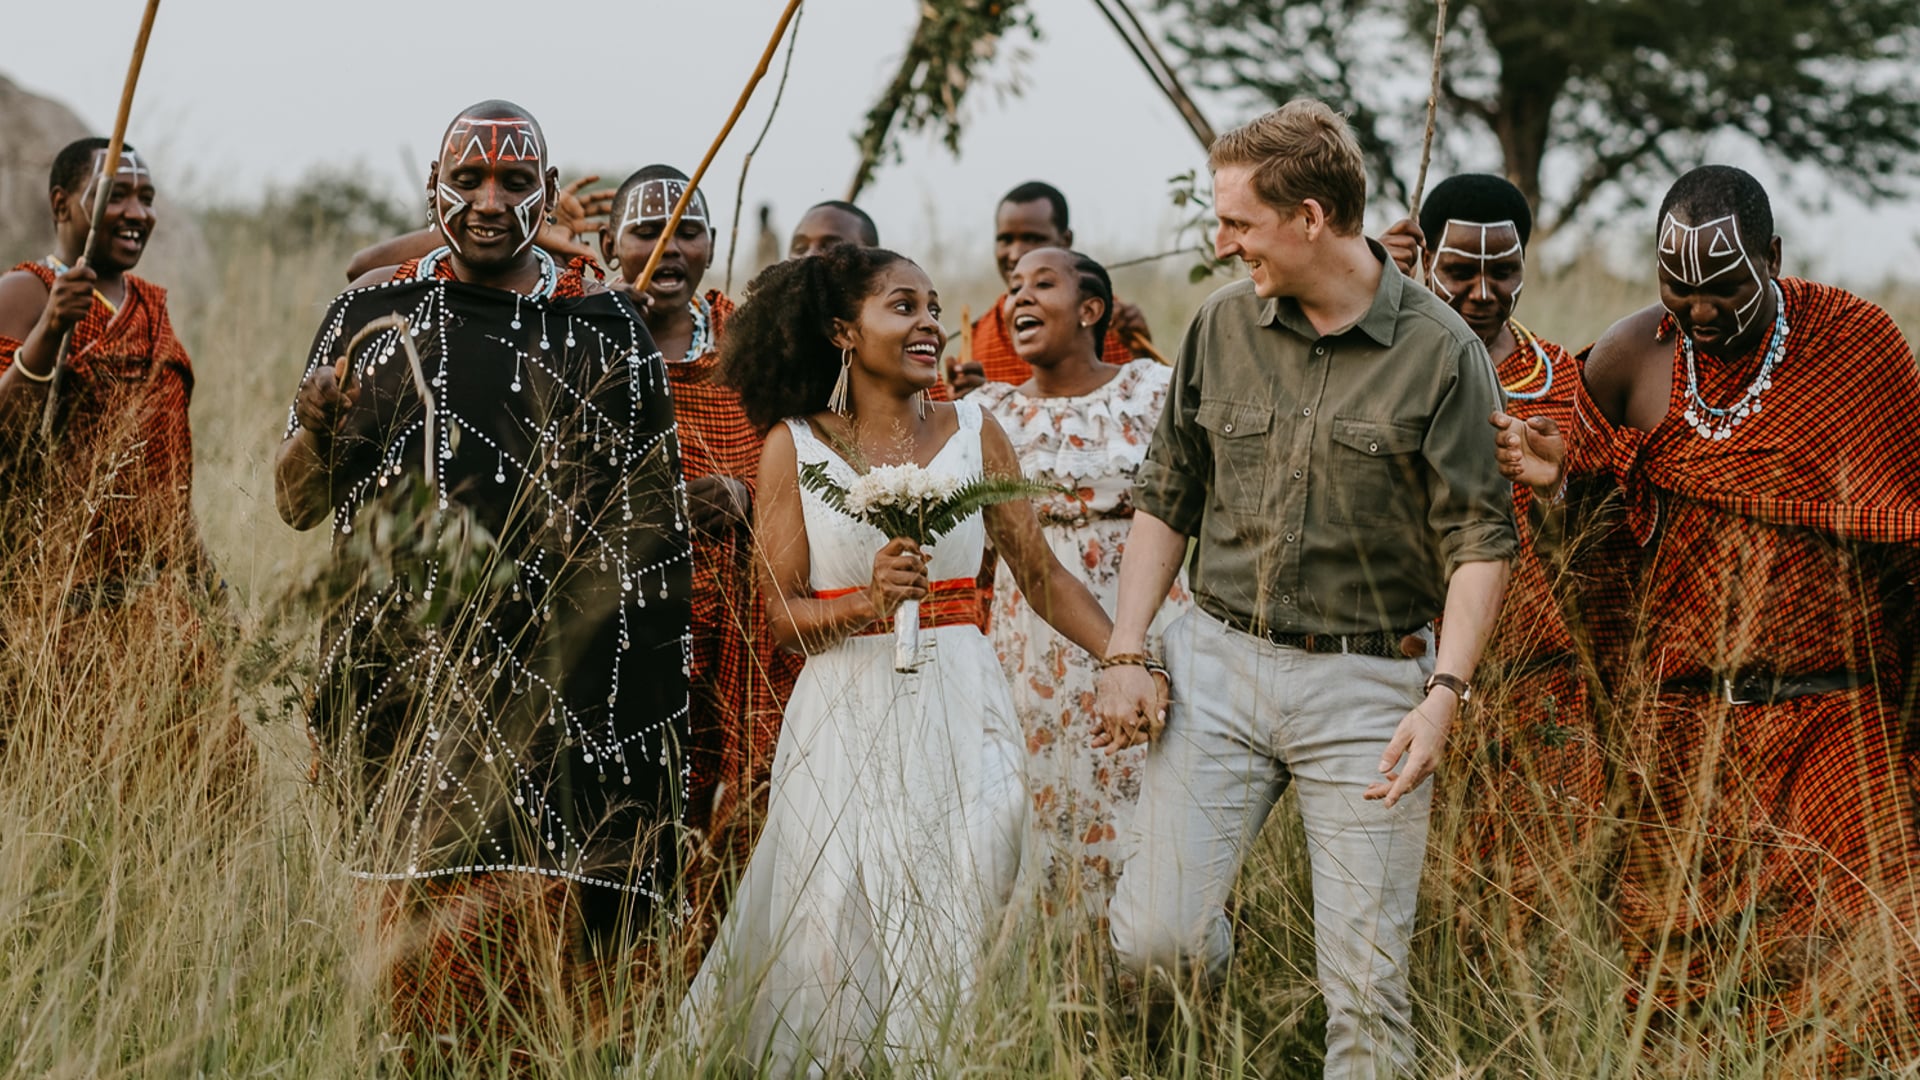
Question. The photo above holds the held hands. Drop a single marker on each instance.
(718, 503)
(1419, 740)
(1406, 244)
(1531, 452)
(1131, 704)
(899, 575)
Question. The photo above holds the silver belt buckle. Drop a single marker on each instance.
(1727, 695)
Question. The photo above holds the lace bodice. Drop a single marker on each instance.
(840, 549)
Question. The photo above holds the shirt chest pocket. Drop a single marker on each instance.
(1238, 434)
(1377, 472)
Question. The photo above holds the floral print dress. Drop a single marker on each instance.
(1083, 798)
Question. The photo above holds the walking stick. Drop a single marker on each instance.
(693, 184)
(1433, 111)
(102, 188)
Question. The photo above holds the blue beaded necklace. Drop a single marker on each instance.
(1540, 363)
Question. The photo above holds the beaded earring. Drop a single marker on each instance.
(920, 405)
(837, 401)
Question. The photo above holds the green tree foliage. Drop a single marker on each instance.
(1583, 95)
(953, 42)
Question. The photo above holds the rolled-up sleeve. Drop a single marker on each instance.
(1172, 482)
(1470, 507)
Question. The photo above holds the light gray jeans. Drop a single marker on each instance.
(1248, 719)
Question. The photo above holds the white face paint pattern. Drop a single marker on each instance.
(1478, 253)
(1697, 254)
(129, 163)
(654, 200)
(491, 141)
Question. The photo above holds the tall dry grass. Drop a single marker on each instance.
(156, 920)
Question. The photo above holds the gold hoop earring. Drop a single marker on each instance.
(920, 405)
(837, 401)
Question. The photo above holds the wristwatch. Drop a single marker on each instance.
(1461, 688)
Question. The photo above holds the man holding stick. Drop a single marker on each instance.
(125, 465)
(1531, 776)
(740, 678)
(1323, 441)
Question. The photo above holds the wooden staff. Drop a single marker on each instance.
(693, 184)
(1140, 343)
(1433, 110)
(102, 190)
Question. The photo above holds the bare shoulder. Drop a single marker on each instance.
(23, 297)
(379, 275)
(1628, 352)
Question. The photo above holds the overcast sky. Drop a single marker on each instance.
(240, 93)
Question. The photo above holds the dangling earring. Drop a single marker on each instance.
(920, 405)
(837, 401)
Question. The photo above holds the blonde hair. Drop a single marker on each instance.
(1301, 150)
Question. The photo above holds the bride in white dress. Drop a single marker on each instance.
(898, 806)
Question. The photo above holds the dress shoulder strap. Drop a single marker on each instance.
(968, 413)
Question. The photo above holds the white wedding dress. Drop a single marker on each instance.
(893, 829)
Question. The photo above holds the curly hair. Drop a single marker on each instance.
(777, 352)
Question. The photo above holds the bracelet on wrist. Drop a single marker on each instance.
(1132, 659)
(31, 375)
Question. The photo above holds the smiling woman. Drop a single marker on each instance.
(889, 786)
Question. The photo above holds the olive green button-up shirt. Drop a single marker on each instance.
(1334, 482)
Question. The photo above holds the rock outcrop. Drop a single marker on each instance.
(32, 131)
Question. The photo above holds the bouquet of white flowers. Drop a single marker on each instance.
(918, 504)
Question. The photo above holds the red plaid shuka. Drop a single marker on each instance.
(1527, 762)
(740, 678)
(483, 970)
(124, 482)
(1771, 849)
(993, 348)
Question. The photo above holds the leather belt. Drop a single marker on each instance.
(1764, 688)
(1380, 643)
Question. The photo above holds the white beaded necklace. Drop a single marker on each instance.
(549, 272)
(1710, 422)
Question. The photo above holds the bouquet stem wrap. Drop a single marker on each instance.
(906, 637)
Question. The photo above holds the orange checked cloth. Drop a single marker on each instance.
(1771, 859)
(1527, 769)
(123, 490)
(950, 602)
(740, 678)
(993, 348)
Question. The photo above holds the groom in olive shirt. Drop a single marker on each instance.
(1326, 441)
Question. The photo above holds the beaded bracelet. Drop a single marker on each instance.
(1142, 660)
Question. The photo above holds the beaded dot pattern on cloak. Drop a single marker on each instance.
(505, 662)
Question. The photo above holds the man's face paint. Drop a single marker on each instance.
(654, 200)
(1708, 281)
(490, 165)
(129, 219)
(1479, 269)
(643, 221)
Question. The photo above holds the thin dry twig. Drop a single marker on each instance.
(1433, 109)
(693, 183)
(740, 191)
(1140, 43)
